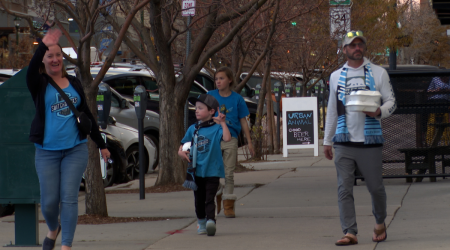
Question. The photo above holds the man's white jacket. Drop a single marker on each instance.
(356, 120)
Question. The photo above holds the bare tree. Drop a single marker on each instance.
(428, 43)
(165, 28)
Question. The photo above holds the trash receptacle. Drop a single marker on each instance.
(19, 183)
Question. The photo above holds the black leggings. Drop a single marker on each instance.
(204, 197)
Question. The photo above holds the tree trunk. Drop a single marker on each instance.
(262, 95)
(172, 170)
(95, 192)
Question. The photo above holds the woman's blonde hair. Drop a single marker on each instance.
(228, 72)
(43, 71)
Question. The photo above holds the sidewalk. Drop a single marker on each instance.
(296, 208)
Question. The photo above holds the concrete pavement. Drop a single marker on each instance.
(295, 208)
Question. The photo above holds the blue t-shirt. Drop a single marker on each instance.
(61, 131)
(209, 154)
(237, 109)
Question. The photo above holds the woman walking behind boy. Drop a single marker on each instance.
(233, 106)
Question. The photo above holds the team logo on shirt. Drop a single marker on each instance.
(60, 106)
(202, 144)
(355, 84)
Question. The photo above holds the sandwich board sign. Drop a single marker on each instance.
(300, 124)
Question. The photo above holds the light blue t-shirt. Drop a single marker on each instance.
(209, 154)
(237, 109)
(61, 131)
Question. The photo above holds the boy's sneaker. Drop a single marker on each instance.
(201, 226)
(211, 228)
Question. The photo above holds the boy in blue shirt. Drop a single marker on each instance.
(207, 164)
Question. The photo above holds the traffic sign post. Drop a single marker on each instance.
(340, 2)
(188, 8)
(339, 21)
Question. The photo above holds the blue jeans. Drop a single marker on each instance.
(60, 173)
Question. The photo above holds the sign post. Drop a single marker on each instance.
(188, 9)
(300, 124)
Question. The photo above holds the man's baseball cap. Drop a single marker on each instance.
(352, 35)
(208, 100)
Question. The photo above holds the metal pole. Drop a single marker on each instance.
(278, 127)
(141, 160)
(188, 48)
(17, 36)
(142, 23)
(392, 59)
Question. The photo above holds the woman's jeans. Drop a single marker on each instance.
(60, 173)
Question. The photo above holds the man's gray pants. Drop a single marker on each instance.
(368, 161)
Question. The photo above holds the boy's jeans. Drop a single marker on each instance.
(60, 173)
(204, 197)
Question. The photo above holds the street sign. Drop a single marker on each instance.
(339, 21)
(188, 8)
(340, 2)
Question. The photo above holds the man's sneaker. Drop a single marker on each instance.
(201, 226)
(211, 228)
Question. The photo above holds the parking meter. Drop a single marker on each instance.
(103, 104)
(288, 90)
(140, 101)
(140, 105)
(316, 89)
(298, 89)
(257, 90)
(278, 90)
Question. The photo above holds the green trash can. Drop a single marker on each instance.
(19, 183)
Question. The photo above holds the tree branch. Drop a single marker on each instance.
(151, 62)
(118, 41)
(266, 49)
(75, 17)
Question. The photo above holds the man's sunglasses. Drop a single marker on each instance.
(352, 34)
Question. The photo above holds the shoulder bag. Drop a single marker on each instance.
(84, 124)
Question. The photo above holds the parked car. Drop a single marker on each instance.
(122, 109)
(124, 112)
(129, 138)
(116, 172)
(6, 209)
(5, 74)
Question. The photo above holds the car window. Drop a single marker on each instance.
(195, 91)
(115, 101)
(124, 85)
(150, 85)
(205, 82)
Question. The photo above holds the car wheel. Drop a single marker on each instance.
(111, 174)
(133, 166)
(6, 210)
(156, 143)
